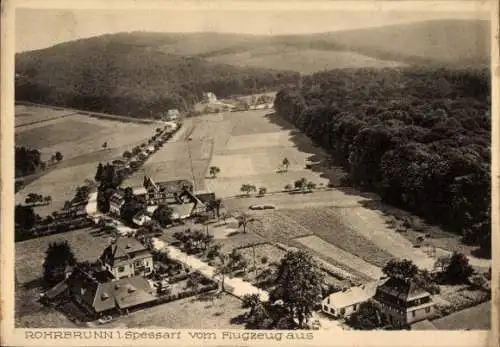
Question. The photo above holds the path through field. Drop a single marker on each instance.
(239, 287)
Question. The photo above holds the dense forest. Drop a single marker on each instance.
(121, 75)
(418, 137)
(28, 161)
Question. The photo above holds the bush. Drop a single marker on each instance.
(264, 260)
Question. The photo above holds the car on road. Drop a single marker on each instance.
(262, 207)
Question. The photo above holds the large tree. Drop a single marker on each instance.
(369, 316)
(244, 219)
(58, 259)
(299, 285)
(458, 269)
(163, 214)
(402, 269)
(214, 170)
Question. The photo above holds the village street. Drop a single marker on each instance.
(236, 286)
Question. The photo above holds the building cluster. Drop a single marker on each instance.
(177, 194)
(116, 283)
(401, 300)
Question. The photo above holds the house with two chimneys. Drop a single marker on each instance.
(115, 284)
(402, 300)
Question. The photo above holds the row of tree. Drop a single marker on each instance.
(420, 138)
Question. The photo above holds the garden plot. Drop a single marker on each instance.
(265, 254)
(278, 227)
(341, 256)
(381, 235)
(324, 223)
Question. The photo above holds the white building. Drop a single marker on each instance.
(344, 303)
(173, 114)
(209, 97)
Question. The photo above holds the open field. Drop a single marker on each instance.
(474, 318)
(304, 60)
(29, 257)
(79, 134)
(254, 152)
(340, 255)
(25, 115)
(60, 184)
(186, 313)
(79, 138)
(324, 223)
(172, 160)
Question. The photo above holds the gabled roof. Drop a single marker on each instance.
(353, 295)
(404, 289)
(123, 247)
(139, 191)
(182, 210)
(204, 197)
(55, 291)
(123, 293)
(117, 197)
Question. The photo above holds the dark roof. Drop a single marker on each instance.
(123, 247)
(104, 296)
(205, 196)
(117, 197)
(174, 186)
(55, 291)
(402, 288)
(124, 293)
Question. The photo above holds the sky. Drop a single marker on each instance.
(41, 28)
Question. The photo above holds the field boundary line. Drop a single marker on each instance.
(45, 120)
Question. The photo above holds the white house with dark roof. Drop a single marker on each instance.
(116, 202)
(127, 257)
(404, 301)
(344, 303)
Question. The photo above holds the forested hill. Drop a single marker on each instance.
(122, 75)
(436, 42)
(418, 137)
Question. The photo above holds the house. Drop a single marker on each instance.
(182, 211)
(140, 193)
(164, 192)
(118, 163)
(98, 295)
(141, 218)
(171, 126)
(404, 301)
(344, 303)
(209, 97)
(173, 114)
(127, 257)
(116, 202)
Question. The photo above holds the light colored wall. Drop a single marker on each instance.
(129, 269)
(420, 314)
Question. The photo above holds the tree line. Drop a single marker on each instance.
(418, 137)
